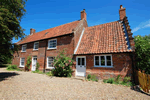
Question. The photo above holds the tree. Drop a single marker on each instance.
(11, 12)
(142, 53)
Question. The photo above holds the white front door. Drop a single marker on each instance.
(34, 61)
(80, 66)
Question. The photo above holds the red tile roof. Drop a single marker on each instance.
(104, 38)
(52, 32)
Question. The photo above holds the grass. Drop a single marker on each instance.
(38, 71)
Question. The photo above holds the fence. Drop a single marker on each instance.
(144, 81)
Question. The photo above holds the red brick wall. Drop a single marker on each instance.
(122, 65)
(62, 42)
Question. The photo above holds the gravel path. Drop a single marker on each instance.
(32, 86)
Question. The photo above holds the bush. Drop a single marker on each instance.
(37, 66)
(89, 76)
(49, 73)
(62, 65)
(12, 67)
(118, 80)
(28, 62)
(92, 77)
(110, 80)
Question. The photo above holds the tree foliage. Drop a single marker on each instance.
(142, 53)
(62, 65)
(11, 13)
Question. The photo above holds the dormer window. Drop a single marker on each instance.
(52, 44)
(36, 46)
(24, 48)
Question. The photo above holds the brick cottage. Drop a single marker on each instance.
(104, 50)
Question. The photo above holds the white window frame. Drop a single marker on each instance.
(34, 46)
(49, 44)
(105, 60)
(47, 63)
(20, 62)
(22, 47)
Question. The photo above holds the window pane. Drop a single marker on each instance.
(36, 45)
(97, 60)
(102, 60)
(52, 43)
(22, 61)
(24, 48)
(108, 63)
(79, 61)
(50, 61)
(108, 57)
(83, 61)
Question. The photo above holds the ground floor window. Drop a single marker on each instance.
(22, 60)
(50, 61)
(103, 61)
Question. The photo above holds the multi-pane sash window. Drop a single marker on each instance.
(24, 48)
(22, 62)
(103, 61)
(52, 44)
(50, 61)
(36, 45)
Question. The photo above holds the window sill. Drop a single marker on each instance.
(21, 66)
(35, 49)
(50, 68)
(104, 66)
(23, 51)
(51, 48)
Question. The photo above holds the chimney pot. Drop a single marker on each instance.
(121, 6)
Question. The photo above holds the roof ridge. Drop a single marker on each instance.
(59, 25)
(102, 24)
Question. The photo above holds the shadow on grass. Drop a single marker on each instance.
(5, 75)
(137, 89)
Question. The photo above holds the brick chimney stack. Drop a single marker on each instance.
(83, 14)
(32, 31)
(122, 12)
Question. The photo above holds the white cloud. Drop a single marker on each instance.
(142, 25)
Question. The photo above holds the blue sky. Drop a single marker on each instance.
(45, 14)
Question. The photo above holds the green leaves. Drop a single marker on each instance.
(62, 65)
(142, 53)
(28, 62)
(11, 13)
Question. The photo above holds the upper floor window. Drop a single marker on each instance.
(103, 61)
(50, 61)
(24, 48)
(36, 46)
(52, 44)
(22, 60)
